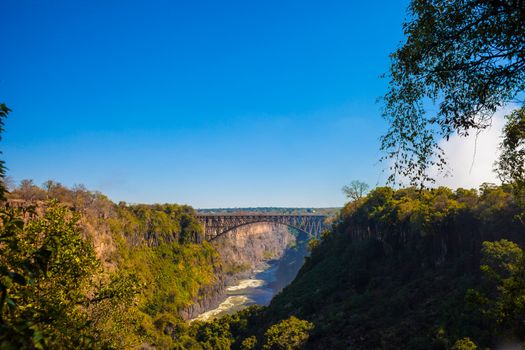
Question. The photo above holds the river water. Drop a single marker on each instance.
(267, 280)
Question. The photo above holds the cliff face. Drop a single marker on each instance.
(126, 235)
(94, 217)
(241, 251)
(243, 248)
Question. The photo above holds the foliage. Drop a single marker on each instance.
(51, 285)
(157, 243)
(249, 343)
(502, 298)
(510, 165)
(393, 273)
(313, 243)
(501, 259)
(230, 331)
(396, 270)
(460, 62)
(288, 334)
(464, 344)
(28, 191)
(160, 245)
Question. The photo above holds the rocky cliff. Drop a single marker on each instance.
(241, 250)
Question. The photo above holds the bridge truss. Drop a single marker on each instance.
(216, 225)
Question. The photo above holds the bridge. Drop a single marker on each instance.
(216, 225)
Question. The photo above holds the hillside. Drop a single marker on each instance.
(411, 269)
(401, 270)
(158, 248)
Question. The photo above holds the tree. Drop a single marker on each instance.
(51, 185)
(4, 111)
(460, 62)
(356, 190)
(249, 343)
(288, 334)
(502, 298)
(510, 165)
(313, 243)
(28, 191)
(464, 344)
(51, 295)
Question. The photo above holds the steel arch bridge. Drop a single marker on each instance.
(216, 225)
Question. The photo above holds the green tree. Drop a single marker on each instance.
(214, 335)
(249, 343)
(501, 259)
(464, 344)
(313, 243)
(460, 62)
(510, 165)
(288, 334)
(502, 300)
(50, 283)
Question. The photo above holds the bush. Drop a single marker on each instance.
(288, 334)
(464, 344)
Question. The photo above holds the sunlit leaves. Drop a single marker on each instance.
(52, 284)
(461, 61)
(288, 334)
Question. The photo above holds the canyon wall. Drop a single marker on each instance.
(242, 250)
(244, 247)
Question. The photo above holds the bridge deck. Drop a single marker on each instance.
(216, 224)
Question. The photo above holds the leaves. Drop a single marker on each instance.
(461, 61)
(47, 272)
(502, 298)
(288, 334)
(510, 166)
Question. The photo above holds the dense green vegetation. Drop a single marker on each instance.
(153, 255)
(409, 269)
(54, 294)
(141, 265)
(401, 269)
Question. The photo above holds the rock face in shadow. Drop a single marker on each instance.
(209, 298)
(242, 250)
(290, 264)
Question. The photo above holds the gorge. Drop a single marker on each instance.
(259, 260)
(398, 269)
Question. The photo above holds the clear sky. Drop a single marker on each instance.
(209, 103)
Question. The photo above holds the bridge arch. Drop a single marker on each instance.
(216, 225)
(254, 223)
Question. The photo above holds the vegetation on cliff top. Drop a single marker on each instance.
(401, 269)
(155, 251)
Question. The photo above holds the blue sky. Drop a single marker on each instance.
(209, 103)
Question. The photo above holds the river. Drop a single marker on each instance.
(266, 280)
